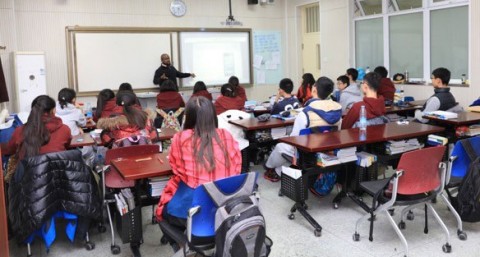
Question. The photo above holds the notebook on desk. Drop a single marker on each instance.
(442, 115)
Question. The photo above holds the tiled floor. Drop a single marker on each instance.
(295, 237)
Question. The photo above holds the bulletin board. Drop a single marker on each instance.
(267, 57)
(29, 76)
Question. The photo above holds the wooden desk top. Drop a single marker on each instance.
(464, 118)
(398, 109)
(166, 134)
(143, 166)
(417, 103)
(351, 137)
(254, 124)
(84, 140)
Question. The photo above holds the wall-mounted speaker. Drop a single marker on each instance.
(252, 1)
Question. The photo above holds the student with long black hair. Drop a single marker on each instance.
(106, 103)
(200, 89)
(43, 132)
(128, 122)
(199, 154)
(67, 111)
(304, 92)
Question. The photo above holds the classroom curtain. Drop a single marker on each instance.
(3, 86)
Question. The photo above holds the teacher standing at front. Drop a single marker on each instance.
(167, 72)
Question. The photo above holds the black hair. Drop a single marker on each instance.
(199, 86)
(443, 74)
(35, 132)
(286, 85)
(200, 116)
(344, 79)
(136, 117)
(382, 71)
(228, 90)
(103, 97)
(353, 72)
(66, 96)
(168, 85)
(324, 87)
(234, 81)
(125, 87)
(373, 80)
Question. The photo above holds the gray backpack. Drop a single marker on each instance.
(239, 223)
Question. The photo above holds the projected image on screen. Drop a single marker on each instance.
(215, 56)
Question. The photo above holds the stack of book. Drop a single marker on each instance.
(473, 130)
(366, 159)
(442, 115)
(327, 159)
(436, 140)
(346, 154)
(157, 185)
(125, 201)
(400, 146)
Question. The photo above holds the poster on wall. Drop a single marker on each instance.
(267, 58)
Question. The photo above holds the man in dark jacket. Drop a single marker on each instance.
(167, 72)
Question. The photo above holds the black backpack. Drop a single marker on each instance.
(467, 201)
(239, 223)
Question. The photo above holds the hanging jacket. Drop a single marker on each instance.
(45, 184)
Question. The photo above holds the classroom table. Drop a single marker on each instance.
(308, 145)
(257, 113)
(138, 167)
(407, 109)
(250, 127)
(84, 139)
(451, 125)
(165, 134)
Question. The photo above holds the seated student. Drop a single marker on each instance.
(319, 111)
(374, 104)
(130, 122)
(442, 99)
(106, 104)
(304, 92)
(169, 98)
(127, 87)
(387, 88)
(43, 133)
(284, 100)
(68, 112)
(348, 94)
(240, 91)
(200, 89)
(199, 154)
(229, 100)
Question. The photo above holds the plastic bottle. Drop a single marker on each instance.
(367, 70)
(363, 119)
(99, 162)
(89, 110)
(402, 96)
(464, 78)
(406, 76)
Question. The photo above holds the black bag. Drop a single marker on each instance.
(467, 201)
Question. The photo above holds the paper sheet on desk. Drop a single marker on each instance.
(291, 172)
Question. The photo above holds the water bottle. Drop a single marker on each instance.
(363, 119)
(99, 162)
(402, 97)
(89, 110)
(464, 79)
(406, 76)
(367, 70)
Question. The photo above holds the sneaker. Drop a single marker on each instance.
(271, 174)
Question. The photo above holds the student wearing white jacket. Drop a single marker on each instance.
(66, 110)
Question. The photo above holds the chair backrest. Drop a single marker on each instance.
(319, 129)
(203, 222)
(123, 152)
(420, 170)
(459, 166)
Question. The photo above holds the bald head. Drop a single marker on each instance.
(165, 58)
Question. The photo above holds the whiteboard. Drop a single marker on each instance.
(215, 56)
(30, 79)
(107, 59)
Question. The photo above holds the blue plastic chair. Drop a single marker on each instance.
(200, 234)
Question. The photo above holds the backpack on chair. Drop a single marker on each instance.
(239, 224)
(467, 201)
(170, 118)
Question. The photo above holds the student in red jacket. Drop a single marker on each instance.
(106, 104)
(200, 89)
(43, 133)
(199, 154)
(229, 100)
(374, 104)
(239, 90)
(169, 98)
(386, 88)
(304, 92)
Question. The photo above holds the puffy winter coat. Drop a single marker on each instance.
(45, 184)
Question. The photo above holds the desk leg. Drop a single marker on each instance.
(302, 209)
(137, 240)
(135, 247)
